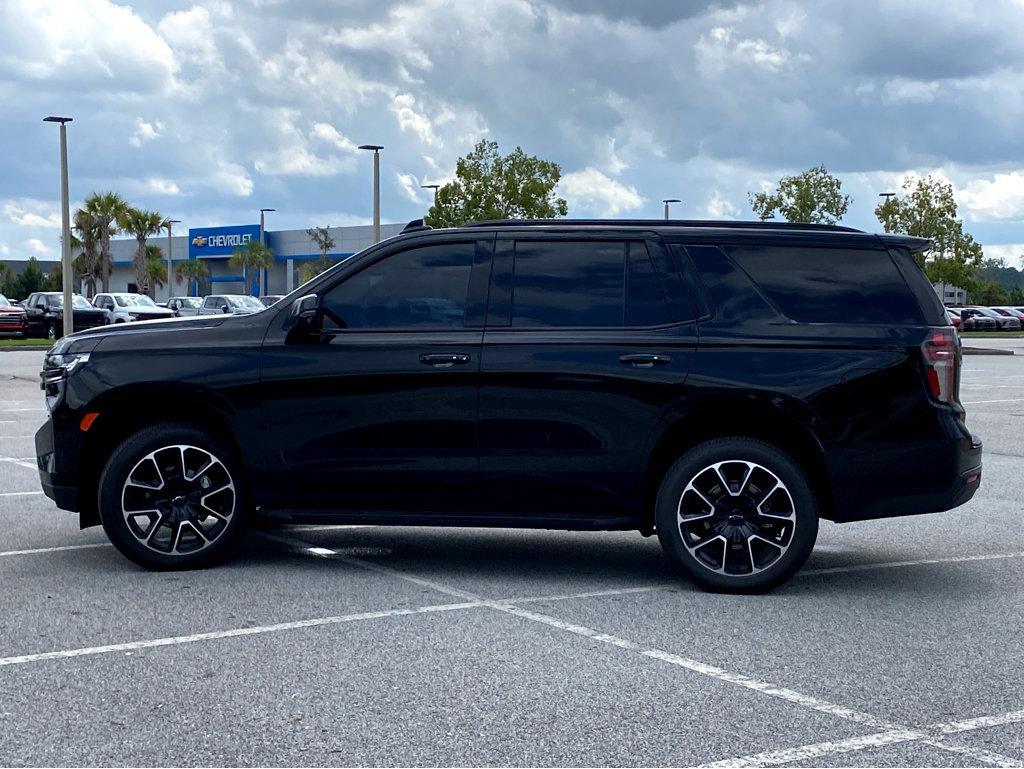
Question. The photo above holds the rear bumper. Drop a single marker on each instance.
(928, 479)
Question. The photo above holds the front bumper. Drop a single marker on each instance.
(58, 486)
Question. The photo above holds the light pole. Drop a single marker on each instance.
(170, 269)
(263, 242)
(376, 187)
(886, 195)
(67, 272)
(434, 187)
(666, 201)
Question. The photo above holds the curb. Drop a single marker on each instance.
(985, 351)
(24, 347)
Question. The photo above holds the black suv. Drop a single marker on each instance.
(45, 311)
(722, 384)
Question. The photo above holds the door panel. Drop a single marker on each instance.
(565, 412)
(377, 411)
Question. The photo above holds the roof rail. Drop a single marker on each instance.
(708, 223)
(416, 225)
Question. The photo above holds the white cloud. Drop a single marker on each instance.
(595, 192)
(408, 185)
(38, 248)
(328, 133)
(29, 212)
(145, 132)
(1001, 197)
(403, 107)
(162, 186)
(1013, 253)
(232, 179)
(86, 44)
(906, 91)
(721, 49)
(294, 156)
(720, 208)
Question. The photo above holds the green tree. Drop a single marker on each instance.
(321, 236)
(1016, 297)
(192, 272)
(488, 185)
(813, 197)
(54, 280)
(87, 263)
(31, 279)
(106, 208)
(8, 281)
(156, 268)
(141, 224)
(251, 258)
(927, 209)
(989, 293)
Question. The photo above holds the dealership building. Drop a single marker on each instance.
(214, 245)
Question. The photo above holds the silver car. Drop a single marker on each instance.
(230, 304)
(184, 305)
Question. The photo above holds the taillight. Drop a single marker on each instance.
(942, 363)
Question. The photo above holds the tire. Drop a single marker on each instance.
(736, 515)
(192, 486)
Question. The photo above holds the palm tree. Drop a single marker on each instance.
(87, 262)
(105, 209)
(253, 256)
(141, 224)
(156, 268)
(324, 243)
(191, 271)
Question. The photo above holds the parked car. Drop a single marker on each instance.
(975, 320)
(125, 307)
(13, 318)
(269, 299)
(955, 319)
(230, 304)
(1004, 322)
(45, 311)
(183, 306)
(1011, 312)
(724, 385)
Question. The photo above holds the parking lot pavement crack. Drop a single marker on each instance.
(893, 732)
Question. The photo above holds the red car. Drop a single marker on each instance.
(955, 319)
(13, 319)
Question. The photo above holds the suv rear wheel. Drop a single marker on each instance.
(737, 515)
(171, 496)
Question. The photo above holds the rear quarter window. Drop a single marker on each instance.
(830, 285)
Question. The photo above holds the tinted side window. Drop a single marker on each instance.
(422, 288)
(568, 284)
(646, 304)
(830, 285)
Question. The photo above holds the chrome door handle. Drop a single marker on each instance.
(444, 359)
(644, 360)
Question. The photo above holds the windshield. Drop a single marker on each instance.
(133, 300)
(4, 302)
(78, 302)
(244, 302)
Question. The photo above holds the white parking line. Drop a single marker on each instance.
(233, 633)
(738, 679)
(879, 739)
(903, 564)
(998, 400)
(19, 493)
(11, 411)
(37, 550)
(20, 462)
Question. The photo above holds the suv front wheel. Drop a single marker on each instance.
(737, 515)
(171, 497)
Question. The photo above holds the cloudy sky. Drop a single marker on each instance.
(208, 111)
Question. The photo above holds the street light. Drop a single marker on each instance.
(376, 187)
(263, 242)
(434, 187)
(666, 201)
(170, 276)
(886, 195)
(67, 272)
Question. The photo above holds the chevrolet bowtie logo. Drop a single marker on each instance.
(199, 240)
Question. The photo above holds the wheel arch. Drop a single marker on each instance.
(124, 411)
(772, 418)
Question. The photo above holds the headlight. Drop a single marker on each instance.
(56, 369)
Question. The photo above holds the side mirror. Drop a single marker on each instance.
(304, 315)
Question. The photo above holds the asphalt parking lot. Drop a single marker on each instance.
(899, 644)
